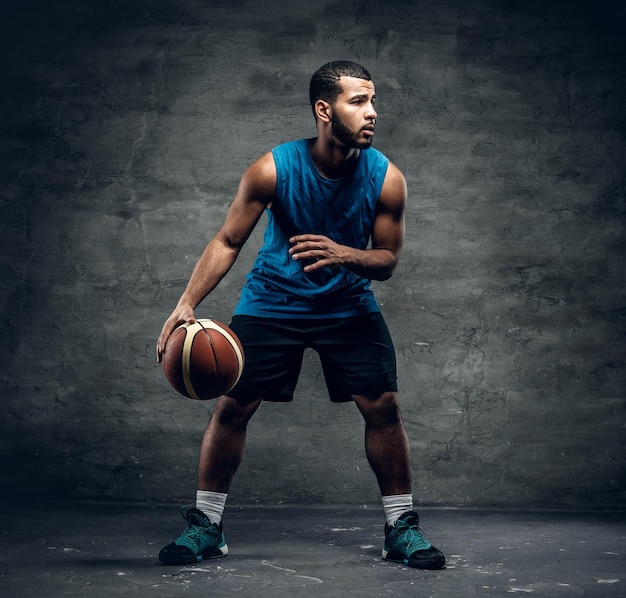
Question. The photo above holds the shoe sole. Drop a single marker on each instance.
(191, 559)
(432, 566)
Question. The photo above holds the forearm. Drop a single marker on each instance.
(211, 267)
(375, 264)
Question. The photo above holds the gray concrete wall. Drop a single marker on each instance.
(125, 128)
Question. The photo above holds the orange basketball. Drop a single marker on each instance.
(203, 360)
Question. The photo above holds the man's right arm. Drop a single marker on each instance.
(254, 193)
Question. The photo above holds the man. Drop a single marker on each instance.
(335, 210)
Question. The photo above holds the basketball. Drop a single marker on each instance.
(203, 360)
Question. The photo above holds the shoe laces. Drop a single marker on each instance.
(195, 531)
(194, 516)
(412, 536)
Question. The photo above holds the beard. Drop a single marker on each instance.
(345, 136)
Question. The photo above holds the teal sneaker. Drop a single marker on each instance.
(201, 540)
(405, 543)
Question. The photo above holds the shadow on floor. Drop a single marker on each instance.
(111, 550)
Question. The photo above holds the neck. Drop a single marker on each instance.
(332, 160)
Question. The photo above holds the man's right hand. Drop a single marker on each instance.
(181, 315)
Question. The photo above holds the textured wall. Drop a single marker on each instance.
(125, 129)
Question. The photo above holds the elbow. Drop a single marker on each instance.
(386, 271)
(391, 265)
(385, 274)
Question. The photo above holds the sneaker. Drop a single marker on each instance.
(201, 540)
(405, 543)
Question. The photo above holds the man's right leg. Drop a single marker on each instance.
(220, 455)
(223, 444)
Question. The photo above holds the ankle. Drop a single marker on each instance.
(396, 505)
(211, 504)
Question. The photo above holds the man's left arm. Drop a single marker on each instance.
(375, 263)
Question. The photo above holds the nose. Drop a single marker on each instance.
(371, 113)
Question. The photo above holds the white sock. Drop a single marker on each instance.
(211, 504)
(397, 505)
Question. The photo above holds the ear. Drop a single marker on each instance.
(323, 111)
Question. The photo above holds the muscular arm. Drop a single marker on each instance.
(255, 191)
(377, 262)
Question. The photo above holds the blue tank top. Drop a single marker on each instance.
(306, 202)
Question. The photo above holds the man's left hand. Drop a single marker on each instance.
(318, 251)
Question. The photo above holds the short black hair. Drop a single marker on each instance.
(325, 80)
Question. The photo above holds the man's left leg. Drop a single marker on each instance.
(387, 450)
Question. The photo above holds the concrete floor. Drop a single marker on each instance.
(280, 552)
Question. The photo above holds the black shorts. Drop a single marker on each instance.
(356, 353)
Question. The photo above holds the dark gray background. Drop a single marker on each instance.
(125, 129)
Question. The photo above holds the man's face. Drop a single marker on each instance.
(353, 115)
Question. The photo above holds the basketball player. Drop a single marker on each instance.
(335, 209)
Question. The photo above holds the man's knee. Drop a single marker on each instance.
(382, 409)
(234, 412)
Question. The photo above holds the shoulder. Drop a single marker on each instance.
(393, 195)
(290, 150)
(394, 177)
(260, 177)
